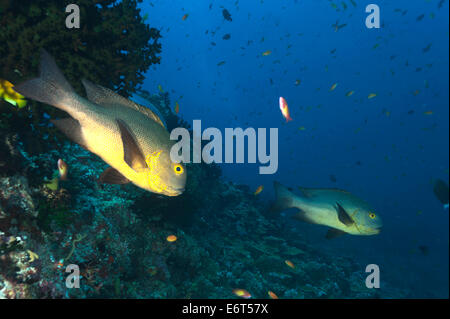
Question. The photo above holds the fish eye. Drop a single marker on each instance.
(178, 169)
(372, 215)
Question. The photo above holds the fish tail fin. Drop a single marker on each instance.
(51, 87)
(284, 197)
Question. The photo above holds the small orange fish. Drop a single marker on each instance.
(258, 190)
(177, 108)
(272, 295)
(284, 109)
(185, 17)
(266, 53)
(242, 293)
(63, 169)
(428, 113)
(290, 264)
(333, 87)
(349, 93)
(171, 238)
(371, 95)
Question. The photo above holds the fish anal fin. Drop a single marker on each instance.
(72, 129)
(112, 176)
(132, 153)
(108, 98)
(343, 216)
(301, 215)
(333, 233)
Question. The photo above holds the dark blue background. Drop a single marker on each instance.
(400, 153)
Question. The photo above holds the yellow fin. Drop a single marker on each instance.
(132, 152)
(107, 98)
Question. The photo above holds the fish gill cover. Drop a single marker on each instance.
(355, 118)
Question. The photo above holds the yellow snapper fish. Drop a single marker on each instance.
(343, 212)
(127, 136)
(9, 95)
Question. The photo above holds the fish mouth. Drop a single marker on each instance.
(376, 230)
(174, 191)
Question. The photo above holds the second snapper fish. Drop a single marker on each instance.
(343, 212)
(284, 109)
(129, 137)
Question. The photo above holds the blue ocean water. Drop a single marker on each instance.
(387, 149)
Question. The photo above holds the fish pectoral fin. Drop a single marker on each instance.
(132, 153)
(72, 129)
(343, 216)
(112, 176)
(333, 233)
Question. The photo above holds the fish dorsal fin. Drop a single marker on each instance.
(131, 152)
(311, 192)
(343, 216)
(335, 190)
(107, 98)
(305, 192)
